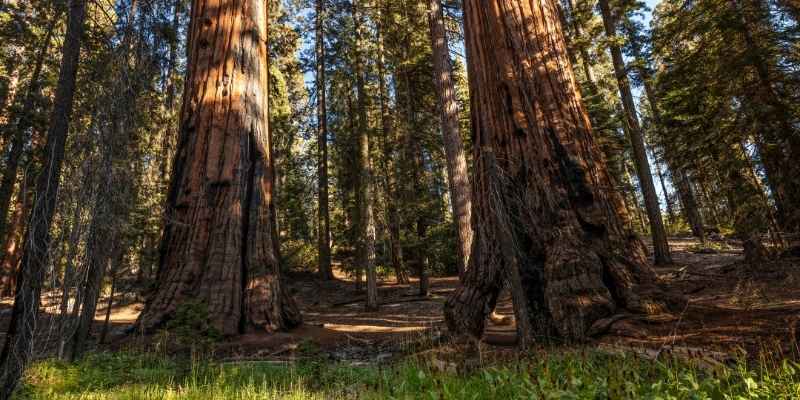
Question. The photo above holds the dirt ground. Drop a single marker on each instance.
(734, 308)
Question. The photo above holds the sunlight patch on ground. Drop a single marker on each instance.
(373, 328)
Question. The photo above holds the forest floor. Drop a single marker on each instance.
(734, 310)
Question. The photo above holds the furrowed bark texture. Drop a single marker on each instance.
(458, 180)
(219, 247)
(577, 262)
(634, 130)
(19, 342)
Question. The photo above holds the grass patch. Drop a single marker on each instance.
(555, 375)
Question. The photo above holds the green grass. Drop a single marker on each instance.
(547, 375)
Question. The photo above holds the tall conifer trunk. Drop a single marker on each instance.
(779, 141)
(679, 178)
(111, 209)
(366, 222)
(219, 247)
(634, 130)
(22, 125)
(19, 343)
(323, 217)
(390, 139)
(689, 206)
(458, 180)
(541, 184)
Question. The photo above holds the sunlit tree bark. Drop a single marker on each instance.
(219, 247)
(458, 180)
(546, 214)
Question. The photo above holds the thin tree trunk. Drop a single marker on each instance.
(578, 263)
(659, 235)
(389, 138)
(115, 271)
(458, 180)
(98, 257)
(167, 142)
(708, 200)
(680, 179)
(12, 249)
(219, 247)
(65, 323)
(689, 204)
(636, 204)
(111, 209)
(22, 126)
(366, 222)
(173, 55)
(414, 164)
(352, 173)
(667, 199)
(779, 136)
(18, 347)
(323, 217)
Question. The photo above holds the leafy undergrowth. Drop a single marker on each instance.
(570, 375)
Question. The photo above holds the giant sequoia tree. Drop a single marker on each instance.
(546, 215)
(219, 247)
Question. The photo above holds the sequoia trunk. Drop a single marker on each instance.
(219, 246)
(540, 177)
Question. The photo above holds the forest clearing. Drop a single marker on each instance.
(444, 199)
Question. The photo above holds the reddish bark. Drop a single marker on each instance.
(219, 246)
(12, 249)
(541, 183)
